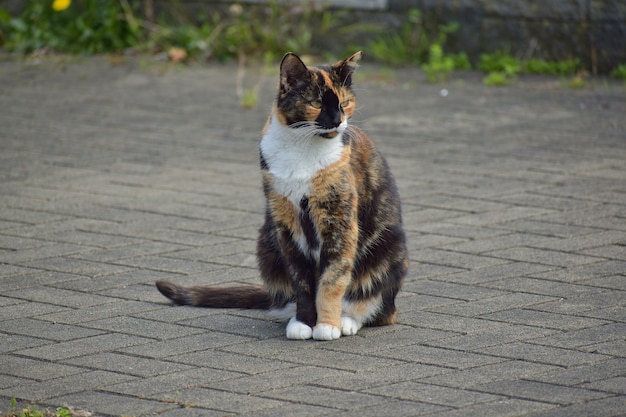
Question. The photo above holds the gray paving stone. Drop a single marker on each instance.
(46, 330)
(543, 256)
(186, 344)
(114, 176)
(40, 391)
(537, 391)
(579, 374)
(226, 401)
(606, 407)
(141, 327)
(500, 408)
(543, 354)
(105, 403)
(166, 386)
(86, 346)
(545, 320)
(510, 370)
(494, 304)
(126, 364)
(35, 370)
(321, 396)
(441, 357)
(60, 297)
(92, 313)
(450, 397)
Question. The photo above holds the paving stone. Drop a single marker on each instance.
(579, 374)
(126, 364)
(450, 397)
(86, 346)
(500, 408)
(60, 297)
(75, 266)
(22, 308)
(488, 305)
(545, 320)
(606, 407)
(543, 256)
(185, 344)
(510, 370)
(112, 177)
(104, 403)
(274, 380)
(92, 313)
(43, 390)
(543, 287)
(450, 290)
(141, 327)
(309, 394)
(227, 402)
(537, 391)
(441, 357)
(46, 330)
(497, 272)
(229, 361)
(35, 370)
(543, 354)
(586, 337)
(228, 323)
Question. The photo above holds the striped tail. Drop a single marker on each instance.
(247, 296)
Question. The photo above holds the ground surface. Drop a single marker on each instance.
(113, 176)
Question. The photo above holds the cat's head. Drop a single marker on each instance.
(319, 99)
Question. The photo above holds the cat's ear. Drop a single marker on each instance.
(344, 69)
(293, 72)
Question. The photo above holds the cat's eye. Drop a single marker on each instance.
(346, 103)
(316, 104)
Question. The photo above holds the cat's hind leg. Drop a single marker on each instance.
(356, 313)
(349, 326)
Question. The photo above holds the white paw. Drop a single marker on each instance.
(349, 326)
(326, 332)
(298, 330)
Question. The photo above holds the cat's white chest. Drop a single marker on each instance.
(293, 160)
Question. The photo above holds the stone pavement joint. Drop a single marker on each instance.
(114, 176)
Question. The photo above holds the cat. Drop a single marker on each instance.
(332, 246)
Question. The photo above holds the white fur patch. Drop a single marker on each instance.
(297, 330)
(359, 313)
(285, 313)
(326, 332)
(349, 326)
(295, 155)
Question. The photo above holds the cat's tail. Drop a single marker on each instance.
(247, 296)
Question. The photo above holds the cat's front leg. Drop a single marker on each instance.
(330, 293)
(296, 330)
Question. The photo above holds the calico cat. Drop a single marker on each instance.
(332, 246)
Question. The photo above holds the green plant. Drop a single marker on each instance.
(88, 26)
(619, 72)
(499, 62)
(34, 411)
(410, 45)
(496, 79)
(540, 66)
(439, 65)
(501, 68)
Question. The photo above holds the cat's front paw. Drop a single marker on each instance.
(326, 332)
(298, 330)
(349, 326)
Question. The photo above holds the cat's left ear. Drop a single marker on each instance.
(344, 69)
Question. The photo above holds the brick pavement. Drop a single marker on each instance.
(112, 176)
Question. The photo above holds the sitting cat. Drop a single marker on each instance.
(332, 245)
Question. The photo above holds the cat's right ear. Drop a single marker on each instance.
(293, 72)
